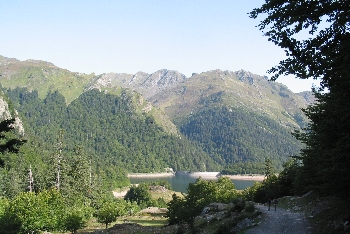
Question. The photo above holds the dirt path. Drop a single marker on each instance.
(280, 221)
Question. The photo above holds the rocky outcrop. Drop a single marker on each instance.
(144, 83)
(5, 114)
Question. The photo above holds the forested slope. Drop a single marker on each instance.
(108, 128)
(231, 119)
(234, 136)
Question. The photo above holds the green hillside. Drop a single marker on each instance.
(109, 129)
(234, 136)
(145, 122)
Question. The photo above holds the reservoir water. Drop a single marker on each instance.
(179, 183)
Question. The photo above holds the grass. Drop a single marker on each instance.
(167, 196)
(144, 220)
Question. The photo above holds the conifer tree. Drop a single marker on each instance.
(322, 54)
(8, 141)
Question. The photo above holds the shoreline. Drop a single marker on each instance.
(246, 177)
(197, 174)
(145, 175)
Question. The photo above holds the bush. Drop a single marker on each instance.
(250, 208)
(107, 213)
(110, 210)
(239, 205)
(73, 222)
(36, 212)
(139, 194)
(9, 222)
(163, 183)
(200, 194)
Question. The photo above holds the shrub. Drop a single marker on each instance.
(139, 194)
(110, 210)
(200, 194)
(163, 183)
(9, 222)
(74, 221)
(250, 208)
(36, 212)
(239, 204)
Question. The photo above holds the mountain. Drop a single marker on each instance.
(235, 117)
(179, 96)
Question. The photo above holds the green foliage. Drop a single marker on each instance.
(200, 194)
(239, 204)
(240, 137)
(326, 157)
(316, 55)
(107, 214)
(138, 144)
(249, 207)
(160, 202)
(275, 186)
(269, 168)
(9, 141)
(76, 217)
(44, 211)
(163, 183)
(139, 194)
(241, 168)
(287, 179)
(73, 221)
(9, 222)
(177, 210)
(324, 55)
(110, 210)
(36, 212)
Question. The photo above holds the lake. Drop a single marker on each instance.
(179, 183)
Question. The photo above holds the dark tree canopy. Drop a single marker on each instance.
(324, 52)
(8, 143)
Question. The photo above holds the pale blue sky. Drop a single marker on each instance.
(127, 36)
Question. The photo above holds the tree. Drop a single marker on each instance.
(269, 168)
(111, 209)
(59, 158)
(79, 177)
(76, 218)
(36, 212)
(200, 194)
(323, 55)
(139, 194)
(8, 142)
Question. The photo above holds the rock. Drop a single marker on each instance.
(218, 206)
(205, 210)
(245, 223)
(307, 194)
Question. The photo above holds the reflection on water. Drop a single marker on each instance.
(180, 183)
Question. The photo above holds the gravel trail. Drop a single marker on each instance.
(280, 221)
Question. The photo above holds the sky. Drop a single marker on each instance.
(127, 36)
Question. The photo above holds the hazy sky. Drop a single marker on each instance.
(127, 36)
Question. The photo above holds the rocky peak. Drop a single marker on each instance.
(245, 76)
(6, 61)
(164, 78)
(249, 77)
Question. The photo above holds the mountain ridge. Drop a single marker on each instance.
(240, 102)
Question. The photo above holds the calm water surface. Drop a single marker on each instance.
(179, 183)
